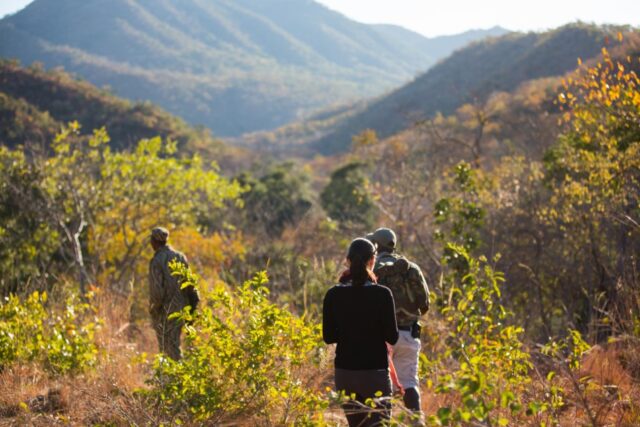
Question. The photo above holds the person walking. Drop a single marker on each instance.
(165, 294)
(359, 316)
(411, 296)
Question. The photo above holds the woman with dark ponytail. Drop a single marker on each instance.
(359, 316)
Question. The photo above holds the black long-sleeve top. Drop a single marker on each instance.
(361, 320)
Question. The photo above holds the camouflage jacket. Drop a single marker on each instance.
(408, 285)
(165, 296)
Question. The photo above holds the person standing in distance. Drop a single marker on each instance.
(359, 316)
(166, 295)
(411, 296)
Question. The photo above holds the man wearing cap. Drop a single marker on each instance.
(165, 296)
(411, 296)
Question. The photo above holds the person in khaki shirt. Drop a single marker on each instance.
(165, 295)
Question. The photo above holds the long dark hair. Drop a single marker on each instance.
(359, 254)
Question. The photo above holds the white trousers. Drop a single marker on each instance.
(405, 359)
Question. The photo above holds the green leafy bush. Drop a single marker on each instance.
(244, 357)
(62, 341)
(459, 218)
(485, 365)
(484, 368)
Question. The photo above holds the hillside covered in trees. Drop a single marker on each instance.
(520, 201)
(36, 104)
(470, 75)
(233, 66)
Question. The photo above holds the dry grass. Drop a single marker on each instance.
(104, 396)
(608, 392)
(107, 395)
(610, 384)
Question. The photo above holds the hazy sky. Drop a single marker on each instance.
(10, 6)
(431, 17)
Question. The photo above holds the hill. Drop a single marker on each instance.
(35, 104)
(471, 75)
(232, 65)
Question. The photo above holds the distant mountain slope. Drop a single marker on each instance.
(471, 75)
(296, 139)
(35, 104)
(233, 65)
(438, 47)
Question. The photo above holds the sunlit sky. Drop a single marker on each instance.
(433, 18)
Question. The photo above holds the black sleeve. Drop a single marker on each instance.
(389, 324)
(329, 324)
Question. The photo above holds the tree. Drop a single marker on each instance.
(278, 199)
(97, 206)
(594, 173)
(346, 197)
(27, 240)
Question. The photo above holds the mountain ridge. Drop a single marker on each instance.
(470, 75)
(233, 65)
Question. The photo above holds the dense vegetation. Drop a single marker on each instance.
(522, 208)
(233, 66)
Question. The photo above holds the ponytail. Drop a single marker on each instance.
(360, 273)
(360, 253)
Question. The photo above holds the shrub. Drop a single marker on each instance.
(490, 365)
(484, 368)
(244, 357)
(62, 341)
